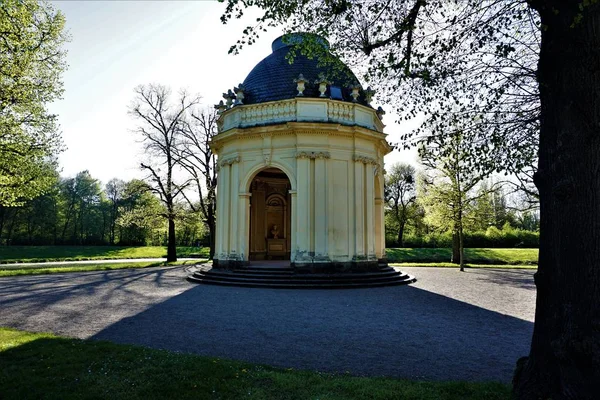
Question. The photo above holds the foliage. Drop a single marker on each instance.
(91, 369)
(472, 255)
(77, 211)
(32, 60)
(400, 195)
(508, 237)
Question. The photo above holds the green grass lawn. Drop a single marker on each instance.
(496, 257)
(36, 366)
(18, 269)
(9, 254)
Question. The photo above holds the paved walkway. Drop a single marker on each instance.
(448, 326)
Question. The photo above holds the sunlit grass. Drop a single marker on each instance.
(17, 269)
(472, 256)
(9, 254)
(39, 365)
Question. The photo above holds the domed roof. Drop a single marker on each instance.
(273, 78)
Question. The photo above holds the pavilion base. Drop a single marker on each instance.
(285, 277)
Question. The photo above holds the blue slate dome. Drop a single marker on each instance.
(273, 78)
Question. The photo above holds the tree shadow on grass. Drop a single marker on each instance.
(397, 331)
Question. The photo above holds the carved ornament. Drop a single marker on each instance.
(365, 160)
(229, 161)
(313, 154)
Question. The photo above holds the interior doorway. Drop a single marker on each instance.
(270, 216)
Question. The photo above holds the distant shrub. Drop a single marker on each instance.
(493, 237)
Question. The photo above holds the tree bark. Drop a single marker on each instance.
(401, 234)
(171, 247)
(212, 237)
(455, 246)
(564, 360)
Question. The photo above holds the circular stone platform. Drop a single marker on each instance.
(277, 276)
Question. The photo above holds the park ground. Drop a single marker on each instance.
(451, 335)
(14, 259)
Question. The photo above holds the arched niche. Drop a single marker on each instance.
(270, 215)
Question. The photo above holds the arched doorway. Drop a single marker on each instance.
(270, 216)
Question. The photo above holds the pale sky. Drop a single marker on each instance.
(116, 46)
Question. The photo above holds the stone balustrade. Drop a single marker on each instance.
(300, 109)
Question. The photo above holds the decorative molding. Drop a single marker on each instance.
(313, 154)
(365, 160)
(229, 161)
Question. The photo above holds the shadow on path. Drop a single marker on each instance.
(397, 331)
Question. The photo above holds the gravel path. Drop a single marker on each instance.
(447, 326)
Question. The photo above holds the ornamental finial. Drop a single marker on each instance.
(322, 82)
(354, 91)
(239, 94)
(300, 84)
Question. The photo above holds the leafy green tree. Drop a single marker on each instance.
(400, 195)
(115, 190)
(450, 186)
(32, 60)
(140, 219)
(482, 213)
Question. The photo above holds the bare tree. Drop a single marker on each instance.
(160, 128)
(197, 158)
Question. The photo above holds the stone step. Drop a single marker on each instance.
(298, 279)
(299, 276)
(253, 278)
(311, 285)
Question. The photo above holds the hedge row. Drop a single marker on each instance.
(493, 237)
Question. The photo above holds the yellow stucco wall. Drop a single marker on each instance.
(334, 162)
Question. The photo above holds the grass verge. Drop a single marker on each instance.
(16, 269)
(473, 256)
(39, 365)
(16, 254)
(450, 265)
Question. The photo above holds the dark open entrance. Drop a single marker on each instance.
(270, 216)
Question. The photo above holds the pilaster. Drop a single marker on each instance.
(370, 211)
(303, 211)
(321, 184)
(359, 210)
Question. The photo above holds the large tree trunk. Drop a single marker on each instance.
(171, 248)
(564, 360)
(212, 237)
(401, 234)
(455, 247)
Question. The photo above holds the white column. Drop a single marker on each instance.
(379, 234)
(303, 212)
(222, 181)
(234, 216)
(379, 219)
(293, 200)
(225, 198)
(244, 224)
(320, 211)
(370, 211)
(359, 208)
